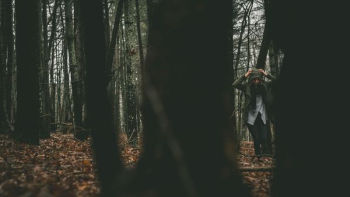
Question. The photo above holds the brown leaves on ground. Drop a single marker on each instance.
(62, 166)
(130, 151)
(258, 181)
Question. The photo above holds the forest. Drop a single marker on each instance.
(133, 98)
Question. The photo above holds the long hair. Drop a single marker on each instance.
(255, 90)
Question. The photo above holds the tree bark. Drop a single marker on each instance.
(113, 42)
(99, 116)
(46, 107)
(240, 41)
(266, 41)
(9, 47)
(130, 90)
(6, 61)
(79, 75)
(74, 71)
(28, 64)
(189, 146)
(302, 143)
(273, 59)
(139, 68)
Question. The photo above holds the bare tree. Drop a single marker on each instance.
(28, 64)
(98, 109)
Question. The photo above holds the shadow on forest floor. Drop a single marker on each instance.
(62, 166)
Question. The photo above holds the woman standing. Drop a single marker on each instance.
(257, 106)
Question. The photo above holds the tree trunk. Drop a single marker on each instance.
(74, 71)
(111, 68)
(66, 91)
(240, 40)
(266, 41)
(6, 56)
(309, 120)
(28, 64)
(130, 86)
(46, 109)
(3, 108)
(139, 69)
(189, 146)
(98, 108)
(273, 59)
(9, 47)
(230, 80)
(112, 44)
(78, 75)
(51, 53)
(106, 21)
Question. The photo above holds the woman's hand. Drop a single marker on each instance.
(248, 73)
(262, 71)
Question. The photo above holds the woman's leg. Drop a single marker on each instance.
(262, 135)
(254, 131)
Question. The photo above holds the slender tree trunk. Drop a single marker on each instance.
(111, 68)
(3, 109)
(99, 116)
(44, 127)
(78, 75)
(6, 61)
(266, 41)
(46, 109)
(52, 67)
(74, 70)
(123, 85)
(240, 40)
(58, 88)
(9, 43)
(273, 59)
(261, 62)
(139, 69)
(112, 44)
(248, 43)
(130, 86)
(66, 91)
(28, 64)
(106, 21)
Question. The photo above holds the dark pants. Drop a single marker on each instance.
(259, 134)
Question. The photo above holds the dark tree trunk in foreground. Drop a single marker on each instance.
(230, 79)
(189, 149)
(3, 110)
(311, 136)
(261, 62)
(28, 64)
(98, 108)
(4, 118)
(7, 27)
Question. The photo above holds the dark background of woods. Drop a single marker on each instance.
(190, 141)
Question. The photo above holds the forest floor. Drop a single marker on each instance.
(62, 166)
